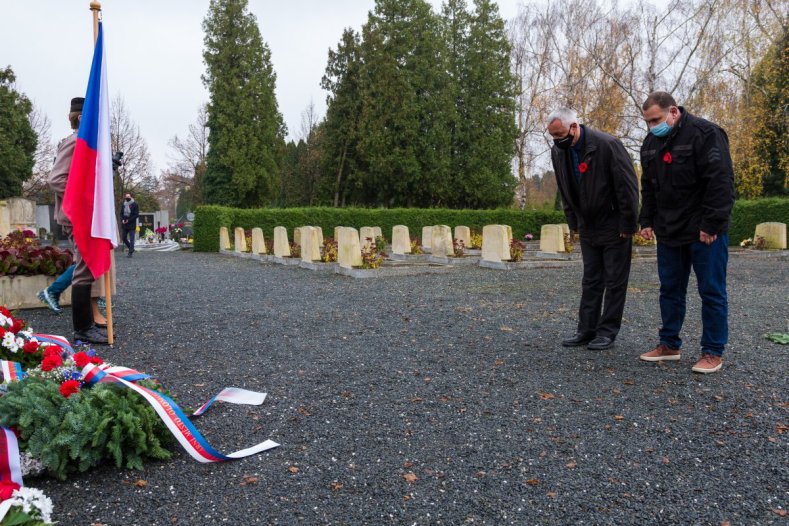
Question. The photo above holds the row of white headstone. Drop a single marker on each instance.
(496, 241)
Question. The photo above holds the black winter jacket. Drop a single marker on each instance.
(687, 184)
(605, 203)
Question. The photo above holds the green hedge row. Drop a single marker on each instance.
(208, 219)
(747, 214)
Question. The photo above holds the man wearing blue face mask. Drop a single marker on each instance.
(687, 193)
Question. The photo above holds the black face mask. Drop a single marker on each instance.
(565, 142)
(128, 199)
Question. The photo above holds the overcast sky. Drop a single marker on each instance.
(154, 55)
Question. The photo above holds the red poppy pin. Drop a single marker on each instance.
(583, 167)
(667, 158)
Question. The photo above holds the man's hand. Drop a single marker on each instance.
(646, 233)
(124, 221)
(706, 238)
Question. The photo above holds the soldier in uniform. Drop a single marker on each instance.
(81, 310)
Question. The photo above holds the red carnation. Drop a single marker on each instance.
(668, 158)
(81, 359)
(5, 312)
(2, 332)
(53, 350)
(69, 387)
(30, 347)
(95, 360)
(17, 326)
(50, 362)
(583, 167)
(7, 489)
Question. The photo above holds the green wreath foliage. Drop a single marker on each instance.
(105, 422)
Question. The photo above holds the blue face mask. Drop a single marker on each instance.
(661, 130)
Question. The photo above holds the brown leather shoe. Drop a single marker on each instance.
(661, 353)
(709, 363)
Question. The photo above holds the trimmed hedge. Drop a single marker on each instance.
(208, 219)
(747, 214)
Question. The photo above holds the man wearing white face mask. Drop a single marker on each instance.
(687, 193)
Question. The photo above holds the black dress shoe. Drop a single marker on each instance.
(92, 335)
(578, 340)
(600, 343)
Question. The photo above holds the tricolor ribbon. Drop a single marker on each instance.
(10, 468)
(55, 340)
(175, 419)
(12, 371)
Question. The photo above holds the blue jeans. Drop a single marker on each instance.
(709, 263)
(62, 283)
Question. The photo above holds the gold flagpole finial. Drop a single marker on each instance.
(96, 8)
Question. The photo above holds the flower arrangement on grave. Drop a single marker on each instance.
(177, 232)
(529, 236)
(381, 242)
(269, 246)
(149, 236)
(24, 506)
(295, 249)
(329, 250)
(17, 342)
(248, 237)
(372, 256)
(568, 243)
(21, 254)
(517, 248)
(416, 246)
(459, 248)
(745, 243)
(476, 240)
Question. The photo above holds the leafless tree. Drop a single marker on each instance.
(187, 161)
(136, 171)
(36, 188)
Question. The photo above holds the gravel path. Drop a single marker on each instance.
(441, 399)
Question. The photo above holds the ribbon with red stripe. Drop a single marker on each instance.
(176, 421)
(10, 468)
(12, 371)
(56, 340)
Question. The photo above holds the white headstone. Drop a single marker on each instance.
(774, 235)
(401, 241)
(367, 235)
(224, 238)
(310, 250)
(319, 233)
(441, 239)
(337, 232)
(463, 233)
(258, 241)
(240, 240)
(297, 235)
(552, 238)
(496, 243)
(281, 245)
(349, 252)
(427, 237)
(377, 232)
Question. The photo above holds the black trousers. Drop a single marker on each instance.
(127, 232)
(606, 273)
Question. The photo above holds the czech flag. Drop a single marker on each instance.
(89, 201)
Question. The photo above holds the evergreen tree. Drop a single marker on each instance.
(403, 127)
(17, 137)
(488, 112)
(771, 97)
(342, 163)
(246, 127)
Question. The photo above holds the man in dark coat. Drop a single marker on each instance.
(687, 195)
(130, 210)
(599, 192)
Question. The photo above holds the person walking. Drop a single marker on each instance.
(82, 279)
(599, 190)
(687, 197)
(129, 213)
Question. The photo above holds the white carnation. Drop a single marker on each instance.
(35, 501)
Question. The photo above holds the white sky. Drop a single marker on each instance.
(154, 55)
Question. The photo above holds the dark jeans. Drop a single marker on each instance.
(128, 238)
(62, 283)
(606, 272)
(709, 263)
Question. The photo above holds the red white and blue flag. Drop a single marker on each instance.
(89, 201)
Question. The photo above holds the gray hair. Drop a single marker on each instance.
(566, 115)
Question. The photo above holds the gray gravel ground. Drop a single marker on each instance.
(441, 399)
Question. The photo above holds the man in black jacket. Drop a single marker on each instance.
(599, 192)
(687, 196)
(129, 213)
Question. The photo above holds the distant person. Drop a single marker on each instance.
(687, 194)
(130, 211)
(82, 279)
(599, 192)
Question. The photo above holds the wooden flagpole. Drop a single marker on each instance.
(95, 7)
